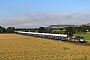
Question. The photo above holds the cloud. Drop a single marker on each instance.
(43, 19)
(45, 15)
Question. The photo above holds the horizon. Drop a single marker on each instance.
(37, 13)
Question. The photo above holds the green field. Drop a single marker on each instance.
(20, 47)
(85, 35)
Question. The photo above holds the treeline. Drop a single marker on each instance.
(7, 30)
(67, 30)
(81, 29)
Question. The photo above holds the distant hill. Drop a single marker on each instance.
(88, 24)
(60, 26)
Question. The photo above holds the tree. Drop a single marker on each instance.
(48, 30)
(41, 30)
(80, 29)
(10, 30)
(69, 31)
(2, 29)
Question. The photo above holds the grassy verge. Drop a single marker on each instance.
(85, 35)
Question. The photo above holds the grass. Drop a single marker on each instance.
(19, 47)
(85, 35)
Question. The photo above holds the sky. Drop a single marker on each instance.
(42, 13)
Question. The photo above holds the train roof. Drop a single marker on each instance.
(64, 35)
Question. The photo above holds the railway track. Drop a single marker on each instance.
(58, 37)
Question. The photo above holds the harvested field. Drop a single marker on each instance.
(20, 47)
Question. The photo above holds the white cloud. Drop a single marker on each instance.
(21, 18)
(43, 19)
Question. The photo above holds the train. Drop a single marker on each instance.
(61, 37)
